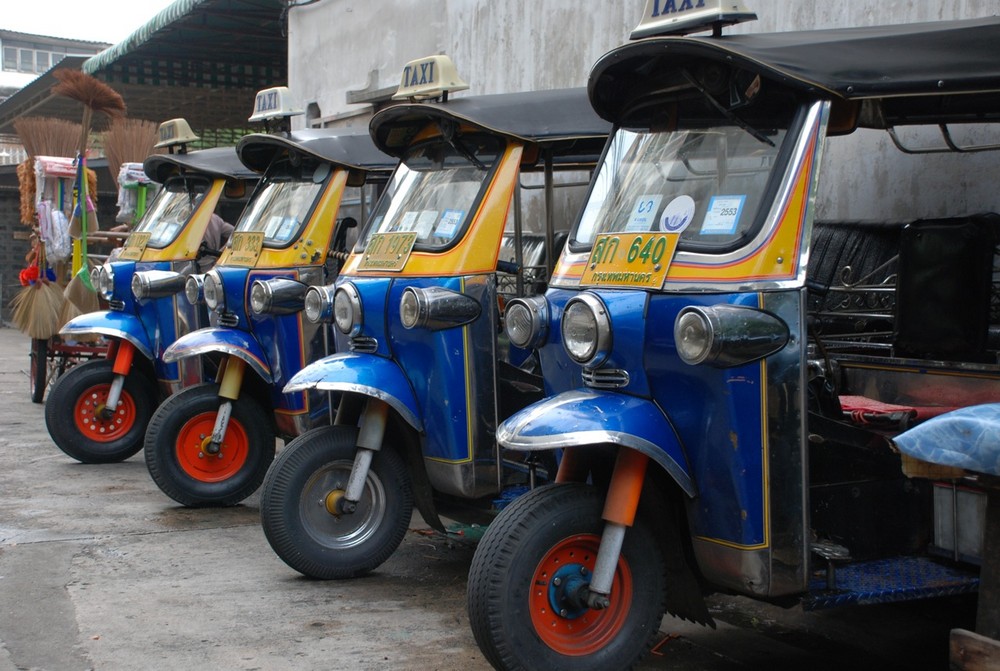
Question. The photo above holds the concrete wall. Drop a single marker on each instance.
(336, 46)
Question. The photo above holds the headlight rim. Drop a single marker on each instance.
(600, 349)
(537, 309)
(353, 296)
(213, 291)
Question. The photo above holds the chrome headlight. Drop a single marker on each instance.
(347, 311)
(436, 308)
(215, 296)
(318, 304)
(280, 296)
(106, 282)
(526, 321)
(193, 289)
(586, 330)
(156, 283)
(727, 335)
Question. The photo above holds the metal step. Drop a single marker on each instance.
(888, 580)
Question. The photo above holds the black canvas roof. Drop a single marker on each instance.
(922, 62)
(218, 161)
(549, 118)
(348, 149)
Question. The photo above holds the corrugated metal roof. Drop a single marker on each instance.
(203, 60)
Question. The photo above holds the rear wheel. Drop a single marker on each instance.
(298, 506)
(525, 580)
(78, 422)
(177, 448)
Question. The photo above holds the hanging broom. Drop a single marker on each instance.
(96, 96)
(36, 308)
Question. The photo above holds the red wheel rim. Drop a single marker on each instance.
(88, 415)
(588, 630)
(193, 439)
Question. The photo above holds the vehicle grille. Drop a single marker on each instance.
(229, 320)
(605, 378)
(364, 345)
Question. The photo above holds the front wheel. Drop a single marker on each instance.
(79, 423)
(525, 579)
(177, 448)
(299, 513)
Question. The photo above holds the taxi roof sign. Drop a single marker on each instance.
(429, 78)
(175, 132)
(274, 103)
(679, 17)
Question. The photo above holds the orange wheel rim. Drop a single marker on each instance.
(90, 420)
(193, 441)
(570, 629)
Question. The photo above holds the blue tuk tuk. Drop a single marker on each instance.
(726, 373)
(211, 444)
(469, 220)
(97, 412)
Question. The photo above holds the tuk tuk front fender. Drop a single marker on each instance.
(587, 417)
(112, 324)
(364, 374)
(228, 341)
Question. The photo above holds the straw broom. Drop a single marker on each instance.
(36, 308)
(95, 96)
(128, 141)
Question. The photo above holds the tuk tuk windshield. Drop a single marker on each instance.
(435, 189)
(280, 209)
(170, 210)
(706, 184)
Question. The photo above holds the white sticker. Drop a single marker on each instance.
(425, 223)
(448, 226)
(407, 221)
(643, 213)
(723, 215)
(677, 214)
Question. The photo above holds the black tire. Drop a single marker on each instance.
(39, 369)
(183, 424)
(315, 542)
(515, 607)
(73, 413)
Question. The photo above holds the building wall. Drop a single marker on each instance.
(336, 46)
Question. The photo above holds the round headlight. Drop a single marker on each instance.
(106, 282)
(693, 336)
(526, 321)
(409, 308)
(318, 304)
(260, 297)
(193, 289)
(586, 330)
(214, 295)
(140, 288)
(347, 314)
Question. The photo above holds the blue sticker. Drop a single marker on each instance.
(723, 215)
(448, 225)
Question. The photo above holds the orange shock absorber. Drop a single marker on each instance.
(112, 349)
(572, 466)
(123, 358)
(626, 487)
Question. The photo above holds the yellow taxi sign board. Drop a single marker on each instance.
(388, 251)
(274, 103)
(135, 245)
(429, 78)
(679, 17)
(634, 260)
(244, 247)
(175, 132)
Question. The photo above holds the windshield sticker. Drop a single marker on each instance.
(723, 215)
(388, 251)
(425, 223)
(643, 216)
(677, 214)
(448, 226)
(407, 221)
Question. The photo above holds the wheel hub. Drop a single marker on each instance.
(568, 591)
(332, 502)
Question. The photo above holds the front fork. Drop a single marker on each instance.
(370, 434)
(620, 508)
(122, 351)
(230, 382)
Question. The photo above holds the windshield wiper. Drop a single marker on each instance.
(448, 132)
(726, 112)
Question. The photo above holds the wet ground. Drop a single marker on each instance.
(100, 570)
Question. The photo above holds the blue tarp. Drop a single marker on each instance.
(968, 438)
